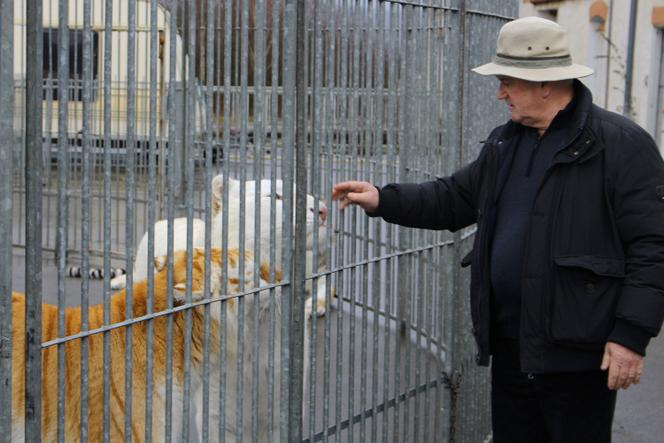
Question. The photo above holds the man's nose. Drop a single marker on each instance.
(500, 94)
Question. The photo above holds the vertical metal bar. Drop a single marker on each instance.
(380, 35)
(108, 45)
(244, 106)
(289, 417)
(316, 111)
(274, 124)
(330, 114)
(629, 63)
(367, 148)
(258, 112)
(342, 139)
(191, 121)
(223, 334)
(7, 141)
(129, 229)
(33, 204)
(354, 79)
(152, 197)
(209, 64)
(85, 211)
(172, 200)
(297, 312)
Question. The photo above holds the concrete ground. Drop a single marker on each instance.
(640, 409)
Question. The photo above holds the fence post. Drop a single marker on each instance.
(33, 204)
(6, 158)
(296, 317)
(456, 356)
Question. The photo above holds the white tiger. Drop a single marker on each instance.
(266, 196)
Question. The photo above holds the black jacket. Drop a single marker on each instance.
(594, 260)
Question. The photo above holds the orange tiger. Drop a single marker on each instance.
(116, 382)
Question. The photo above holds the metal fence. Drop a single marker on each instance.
(125, 116)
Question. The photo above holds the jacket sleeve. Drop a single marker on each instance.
(638, 204)
(445, 203)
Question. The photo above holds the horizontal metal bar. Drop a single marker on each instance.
(152, 316)
(446, 8)
(389, 256)
(443, 380)
(389, 316)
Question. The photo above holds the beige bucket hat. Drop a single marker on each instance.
(535, 49)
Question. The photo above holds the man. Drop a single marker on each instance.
(567, 277)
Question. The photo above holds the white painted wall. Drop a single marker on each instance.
(588, 47)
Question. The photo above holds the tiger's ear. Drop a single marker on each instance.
(160, 262)
(218, 186)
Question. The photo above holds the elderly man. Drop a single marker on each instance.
(567, 269)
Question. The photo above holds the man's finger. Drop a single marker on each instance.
(623, 377)
(606, 359)
(613, 376)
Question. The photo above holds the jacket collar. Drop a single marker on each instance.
(582, 145)
(582, 105)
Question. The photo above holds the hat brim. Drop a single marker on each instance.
(535, 74)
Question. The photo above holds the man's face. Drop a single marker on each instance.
(523, 99)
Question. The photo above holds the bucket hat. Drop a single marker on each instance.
(534, 49)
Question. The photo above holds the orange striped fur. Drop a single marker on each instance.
(117, 338)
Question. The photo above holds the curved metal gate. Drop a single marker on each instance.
(126, 115)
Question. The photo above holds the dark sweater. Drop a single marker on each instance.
(519, 179)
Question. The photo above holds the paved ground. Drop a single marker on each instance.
(640, 410)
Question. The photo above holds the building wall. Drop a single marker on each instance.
(589, 45)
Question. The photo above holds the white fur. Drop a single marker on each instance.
(265, 196)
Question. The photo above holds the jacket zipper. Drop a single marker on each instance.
(546, 177)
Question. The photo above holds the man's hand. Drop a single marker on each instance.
(358, 193)
(625, 366)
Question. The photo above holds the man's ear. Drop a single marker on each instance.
(545, 89)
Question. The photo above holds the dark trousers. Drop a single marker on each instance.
(547, 408)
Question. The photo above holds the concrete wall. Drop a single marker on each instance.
(589, 45)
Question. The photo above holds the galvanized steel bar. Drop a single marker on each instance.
(33, 231)
(152, 198)
(223, 333)
(331, 158)
(86, 215)
(190, 111)
(7, 141)
(209, 45)
(289, 416)
(274, 124)
(130, 206)
(108, 46)
(316, 103)
(170, 214)
(299, 245)
(259, 254)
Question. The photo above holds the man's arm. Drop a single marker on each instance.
(445, 203)
(638, 204)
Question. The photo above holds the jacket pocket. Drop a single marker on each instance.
(467, 259)
(583, 302)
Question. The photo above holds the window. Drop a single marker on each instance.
(75, 58)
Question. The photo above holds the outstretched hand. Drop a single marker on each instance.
(625, 366)
(358, 193)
